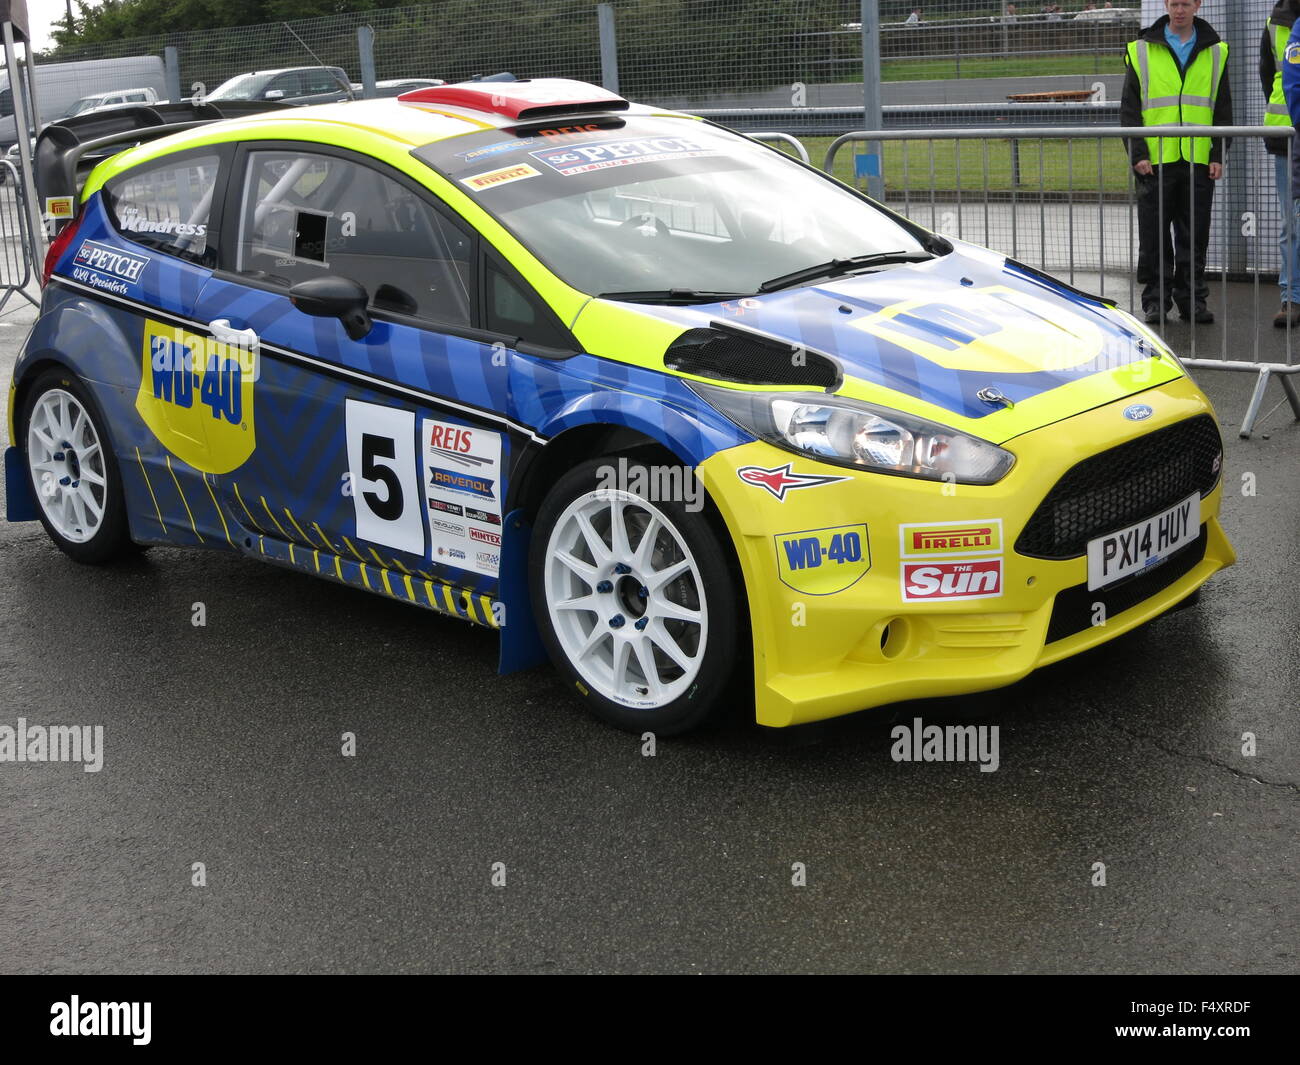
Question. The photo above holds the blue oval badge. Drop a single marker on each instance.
(1139, 412)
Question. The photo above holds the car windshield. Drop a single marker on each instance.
(648, 204)
(84, 104)
(240, 87)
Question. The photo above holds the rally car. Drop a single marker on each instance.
(646, 396)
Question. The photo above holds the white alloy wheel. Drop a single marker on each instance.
(626, 599)
(68, 466)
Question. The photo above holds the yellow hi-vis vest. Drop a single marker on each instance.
(1276, 114)
(1171, 100)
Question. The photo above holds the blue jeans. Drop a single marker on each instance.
(1288, 240)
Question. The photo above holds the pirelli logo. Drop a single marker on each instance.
(500, 177)
(949, 539)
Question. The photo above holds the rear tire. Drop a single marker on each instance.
(72, 470)
(636, 602)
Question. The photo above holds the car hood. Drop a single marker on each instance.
(929, 338)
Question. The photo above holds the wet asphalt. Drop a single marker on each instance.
(222, 746)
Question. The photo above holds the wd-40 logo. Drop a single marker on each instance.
(197, 397)
(823, 561)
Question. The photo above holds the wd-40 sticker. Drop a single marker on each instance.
(951, 539)
(384, 478)
(936, 560)
(823, 561)
(107, 268)
(584, 158)
(500, 177)
(462, 486)
(196, 396)
(780, 480)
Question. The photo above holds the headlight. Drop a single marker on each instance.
(850, 433)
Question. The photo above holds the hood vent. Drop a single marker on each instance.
(725, 353)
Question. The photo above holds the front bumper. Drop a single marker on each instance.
(832, 638)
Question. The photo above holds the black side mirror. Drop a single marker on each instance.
(334, 297)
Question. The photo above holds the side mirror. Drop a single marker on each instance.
(334, 297)
(273, 94)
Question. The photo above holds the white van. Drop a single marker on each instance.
(60, 85)
(100, 101)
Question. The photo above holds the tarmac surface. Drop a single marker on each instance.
(222, 745)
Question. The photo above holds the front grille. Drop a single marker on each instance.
(1074, 608)
(1119, 487)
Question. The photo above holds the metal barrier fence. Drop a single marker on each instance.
(17, 249)
(1070, 203)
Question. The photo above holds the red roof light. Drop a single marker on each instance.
(520, 99)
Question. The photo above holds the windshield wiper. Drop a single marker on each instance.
(672, 295)
(837, 267)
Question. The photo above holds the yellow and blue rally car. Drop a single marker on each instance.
(637, 391)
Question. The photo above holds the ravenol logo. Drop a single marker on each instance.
(823, 561)
(946, 539)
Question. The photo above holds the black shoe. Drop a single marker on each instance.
(1202, 314)
(1152, 315)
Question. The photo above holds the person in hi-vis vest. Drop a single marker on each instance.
(1272, 62)
(1177, 76)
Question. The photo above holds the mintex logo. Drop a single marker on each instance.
(483, 536)
(121, 264)
(950, 539)
(925, 582)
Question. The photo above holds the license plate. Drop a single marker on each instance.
(1121, 554)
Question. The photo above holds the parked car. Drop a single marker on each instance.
(60, 84)
(296, 85)
(615, 383)
(116, 98)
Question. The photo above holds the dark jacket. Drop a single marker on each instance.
(1130, 108)
(1284, 14)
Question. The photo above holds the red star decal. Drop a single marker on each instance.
(780, 479)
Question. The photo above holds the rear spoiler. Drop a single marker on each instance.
(67, 151)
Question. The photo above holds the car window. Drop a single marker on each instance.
(290, 84)
(513, 312)
(306, 216)
(319, 81)
(136, 97)
(168, 206)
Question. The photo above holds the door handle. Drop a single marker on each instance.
(224, 333)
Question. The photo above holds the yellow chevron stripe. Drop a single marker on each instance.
(428, 590)
(298, 527)
(365, 576)
(323, 538)
(401, 567)
(489, 615)
(251, 520)
(449, 600)
(468, 600)
(383, 573)
(352, 548)
(316, 556)
(293, 560)
(217, 506)
(149, 484)
(267, 506)
(377, 558)
(261, 545)
(338, 569)
(410, 592)
(185, 501)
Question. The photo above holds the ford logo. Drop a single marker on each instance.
(1139, 412)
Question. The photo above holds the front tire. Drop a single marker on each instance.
(72, 470)
(635, 600)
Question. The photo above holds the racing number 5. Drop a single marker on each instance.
(388, 508)
(384, 476)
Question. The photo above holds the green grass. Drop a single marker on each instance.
(1044, 165)
(1000, 67)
